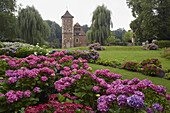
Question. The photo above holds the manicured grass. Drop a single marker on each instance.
(132, 53)
(130, 75)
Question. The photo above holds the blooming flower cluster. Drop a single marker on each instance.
(12, 96)
(57, 107)
(65, 82)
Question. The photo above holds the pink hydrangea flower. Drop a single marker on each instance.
(44, 78)
(36, 89)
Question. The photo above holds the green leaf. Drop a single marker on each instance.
(61, 98)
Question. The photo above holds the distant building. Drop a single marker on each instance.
(72, 36)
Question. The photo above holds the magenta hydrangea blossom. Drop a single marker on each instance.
(122, 100)
(19, 94)
(27, 93)
(44, 78)
(96, 88)
(11, 80)
(103, 107)
(36, 89)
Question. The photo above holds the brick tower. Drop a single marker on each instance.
(67, 30)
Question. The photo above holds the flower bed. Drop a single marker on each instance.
(150, 67)
(20, 50)
(32, 80)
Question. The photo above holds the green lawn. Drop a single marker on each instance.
(132, 53)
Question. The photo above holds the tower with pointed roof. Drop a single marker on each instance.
(67, 30)
(72, 36)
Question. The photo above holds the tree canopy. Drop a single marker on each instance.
(33, 29)
(8, 20)
(100, 27)
(56, 33)
(152, 19)
(119, 33)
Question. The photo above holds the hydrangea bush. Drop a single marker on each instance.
(60, 83)
(148, 66)
(21, 50)
(151, 46)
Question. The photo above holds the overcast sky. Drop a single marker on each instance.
(82, 10)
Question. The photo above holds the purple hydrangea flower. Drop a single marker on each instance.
(103, 107)
(157, 107)
(122, 100)
(135, 101)
(102, 99)
(149, 110)
(138, 93)
(111, 98)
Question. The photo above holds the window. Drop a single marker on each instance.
(77, 40)
(66, 41)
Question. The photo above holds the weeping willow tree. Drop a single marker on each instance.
(33, 29)
(100, 28)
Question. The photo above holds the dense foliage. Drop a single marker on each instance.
(55, 37)
(33, 29)
(163, 43)
(8, 21)
(100, 27)
(151, 67)
(152, 19)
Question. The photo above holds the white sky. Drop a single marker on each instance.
(82, 10)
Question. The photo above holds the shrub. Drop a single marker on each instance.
(21, 50)
(166, 53)
(96, 46)
(163, 43)
(151, 46)
(151, 69)
(132, 66)
(148, 66)
(107, 62)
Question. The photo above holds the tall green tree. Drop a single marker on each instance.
(8, 20)
(152, 19)
(100, 27)
(119, 33)
(56, 33)
(85, 28)
(127, 37)
(33, 29)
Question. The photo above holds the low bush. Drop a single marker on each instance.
(107, 62)
(132, 66)
(150, 67)
(163, 43)
(166, 53)
(96, 46)
(151, 46)
(21, 50)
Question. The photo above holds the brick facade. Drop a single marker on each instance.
(72, 36)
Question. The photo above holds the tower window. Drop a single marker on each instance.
(66, 41)
(77, 40)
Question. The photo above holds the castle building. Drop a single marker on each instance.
(72, 36)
